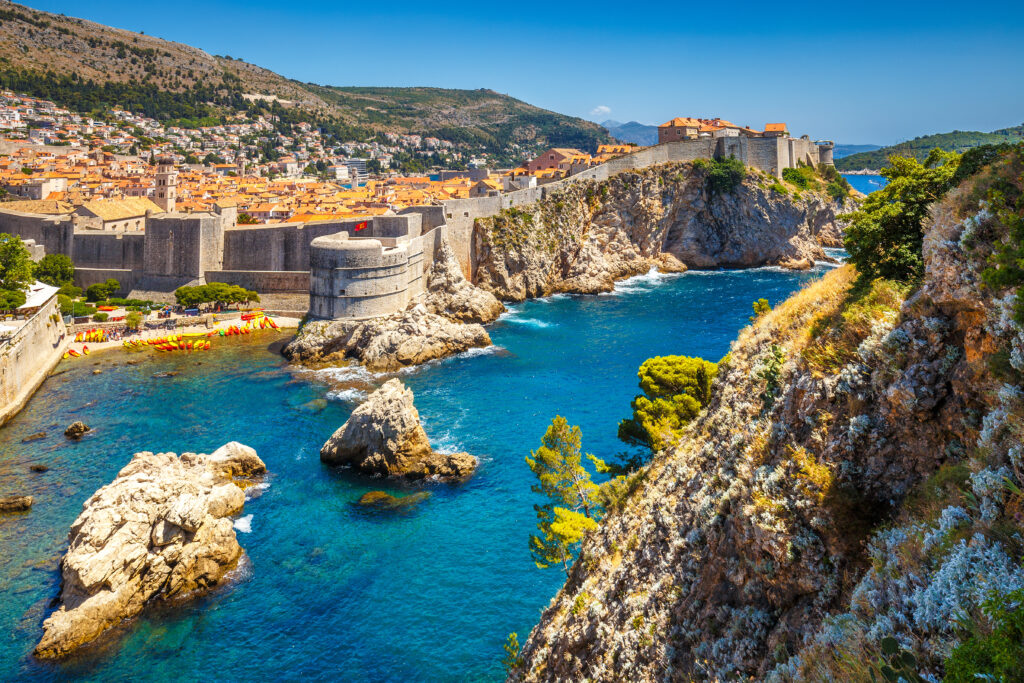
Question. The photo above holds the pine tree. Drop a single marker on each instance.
(558, 466)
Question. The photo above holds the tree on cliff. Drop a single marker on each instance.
(885, 236)
(675, 388)
(561, 476)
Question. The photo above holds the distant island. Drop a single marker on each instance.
(957, 141)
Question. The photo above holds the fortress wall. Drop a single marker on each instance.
(109, 250)
(263, 281)
(183, 245)
(91, 276)
(55, 233)
(430, 216)
(28, 357)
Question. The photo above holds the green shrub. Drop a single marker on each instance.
(1006, 200)
(100, 317)
(55, 269)
(10, 299)
(770, 372)
(802, 177)
(838, 189)
(724, 176)
(71, 291)
(778, 188)
(994, 649)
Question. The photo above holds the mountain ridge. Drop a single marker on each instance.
(954, 141)
(79, 63)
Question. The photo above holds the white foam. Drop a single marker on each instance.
(479, 351)
(514, 317)
(351, 394)
(346, 373)
(644, 281)
(244, 524)
(256, 490)
(445, 443)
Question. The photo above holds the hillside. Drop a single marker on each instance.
(86, 66)
(635, 132)
(957, 141)
(848, 506)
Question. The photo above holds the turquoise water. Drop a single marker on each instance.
(867, 183)
(329, 590)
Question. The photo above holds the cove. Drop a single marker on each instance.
(329, 589)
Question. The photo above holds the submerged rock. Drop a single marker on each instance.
(38, 468)
(34, 437)
(160, 530)
(163, 375)
(76, 429)
(380, 499)
(384, 437)
(15, 503)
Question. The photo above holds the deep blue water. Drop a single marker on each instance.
(330, 590)
(867, 183)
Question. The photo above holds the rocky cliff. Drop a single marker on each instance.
(161, 530)
(855, 477)
(589, 234)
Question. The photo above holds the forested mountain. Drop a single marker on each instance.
(957, 141)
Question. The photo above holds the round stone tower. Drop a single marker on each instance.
(825, 149)
(354, 279)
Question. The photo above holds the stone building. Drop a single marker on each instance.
(166, 193)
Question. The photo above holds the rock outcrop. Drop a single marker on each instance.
(450, 294)
(442, 323)
(874, 493)
(76, 430)
(15, 503)
(160, 530)
(589, 234)
(384, 437)
(388, 343)
(385, 501)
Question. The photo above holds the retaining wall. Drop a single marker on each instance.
(27, 359)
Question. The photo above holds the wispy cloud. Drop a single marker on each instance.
(601, 110)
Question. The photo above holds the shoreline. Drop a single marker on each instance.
(283, 323)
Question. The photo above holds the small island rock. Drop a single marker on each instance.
(15, 503)
(76, 429)
(384, 437)
(160, 530)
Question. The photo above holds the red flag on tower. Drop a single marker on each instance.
(360, 226)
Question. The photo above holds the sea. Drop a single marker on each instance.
(328, 589)
(866, 183)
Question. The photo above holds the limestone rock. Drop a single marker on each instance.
(15, 503)
(76, 429)
(450, 294)
(384, 437)
(388, 343)
(34, 437)
(160, 529)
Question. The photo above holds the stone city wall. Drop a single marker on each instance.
(28, 357)
(264, 281)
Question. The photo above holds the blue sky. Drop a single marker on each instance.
(872, 71)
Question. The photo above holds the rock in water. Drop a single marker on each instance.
(161, 529)
(389, 343)
(384, 437)
(15, 503)
(34, 437)
(76, 429)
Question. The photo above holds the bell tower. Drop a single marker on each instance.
(166, 184)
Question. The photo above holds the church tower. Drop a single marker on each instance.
(166, 184)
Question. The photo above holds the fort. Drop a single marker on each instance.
(347, 273)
